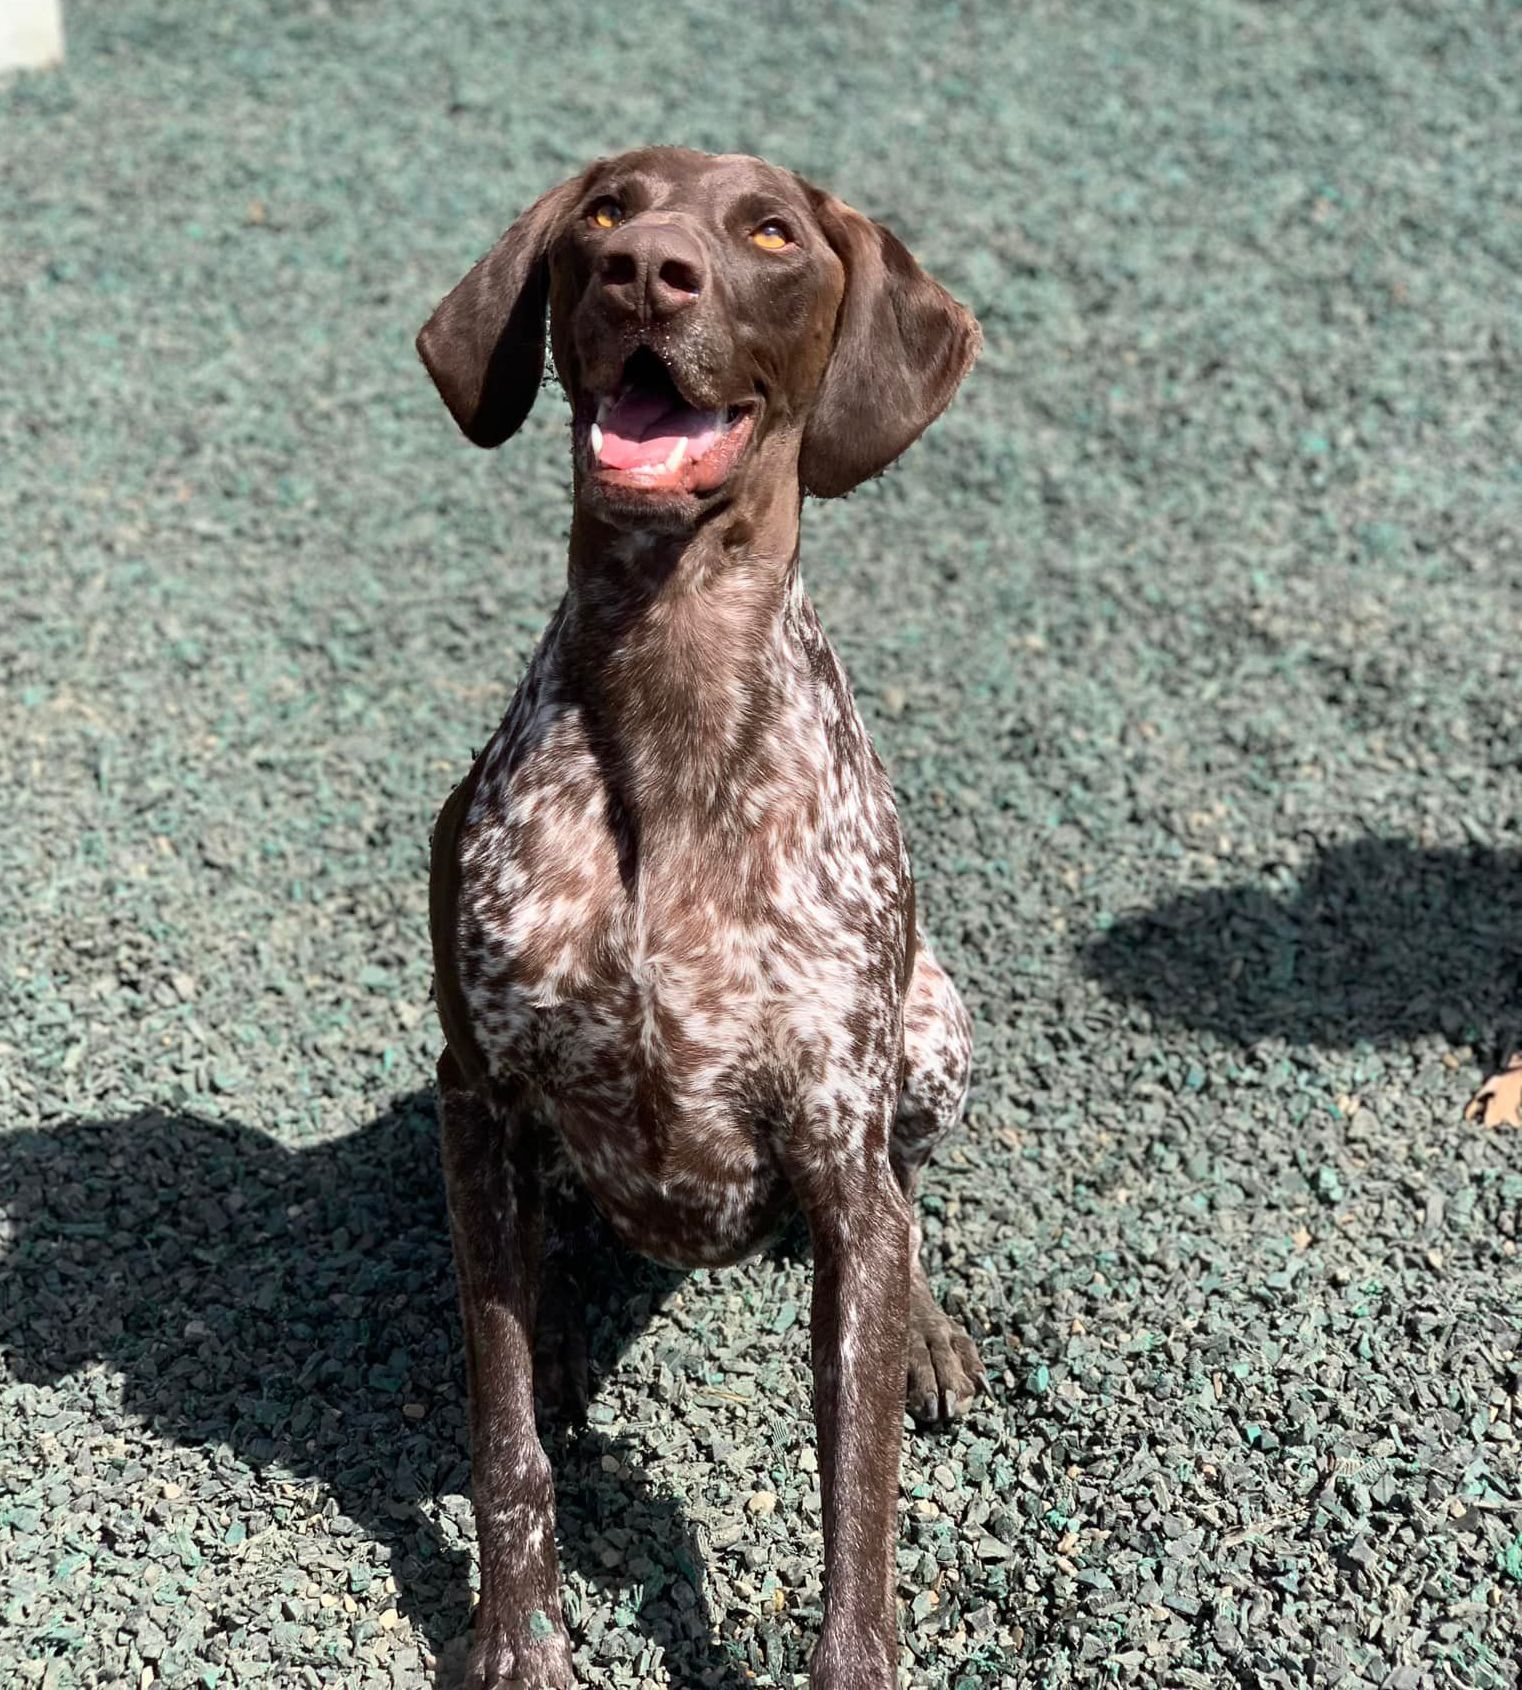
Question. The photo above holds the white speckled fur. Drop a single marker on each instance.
(780, 982)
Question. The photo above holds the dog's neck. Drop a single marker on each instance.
(674, 646)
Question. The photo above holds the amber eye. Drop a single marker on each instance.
(607, 214)
(771, 236)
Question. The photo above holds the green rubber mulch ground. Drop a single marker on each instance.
(1191, 635)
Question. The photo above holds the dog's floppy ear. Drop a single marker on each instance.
(484, 345)
(902, 346)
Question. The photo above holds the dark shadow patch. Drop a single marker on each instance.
(289, 1304)
(1381, 941)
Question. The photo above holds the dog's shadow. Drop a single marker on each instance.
(299, 1307)
(1380, 940)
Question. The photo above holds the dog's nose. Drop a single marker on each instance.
(652, 271)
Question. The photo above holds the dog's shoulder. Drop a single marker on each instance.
(519, 829)
(443, 902)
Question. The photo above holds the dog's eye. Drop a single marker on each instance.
(607, 214)
(771, 236)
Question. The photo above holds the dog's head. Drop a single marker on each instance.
(712, 318)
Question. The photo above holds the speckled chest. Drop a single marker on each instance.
(683, 984)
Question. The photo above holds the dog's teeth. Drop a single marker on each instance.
(596, 438)
(604, 405)
(678, 452)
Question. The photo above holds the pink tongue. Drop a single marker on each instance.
(642, 428)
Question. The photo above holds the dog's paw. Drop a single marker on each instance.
(945, 1372)
(1498, 1103)
(535, 1656)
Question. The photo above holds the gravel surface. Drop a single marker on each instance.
(1191, 635)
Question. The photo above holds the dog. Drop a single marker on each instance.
(677, 961)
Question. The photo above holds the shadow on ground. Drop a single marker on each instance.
(290, 1305)
(1380, 941)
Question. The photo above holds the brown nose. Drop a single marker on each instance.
(652, 271)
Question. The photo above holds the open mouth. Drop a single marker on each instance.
(646, 437)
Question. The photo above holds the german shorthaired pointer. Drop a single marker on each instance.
(678, 967)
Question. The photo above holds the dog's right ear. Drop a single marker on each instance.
(484, 345)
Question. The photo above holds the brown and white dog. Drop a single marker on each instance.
(677, 961)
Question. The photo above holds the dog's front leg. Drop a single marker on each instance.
(494, 1214)
(859, 1223)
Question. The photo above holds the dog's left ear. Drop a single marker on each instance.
(484, 345)
(902, 346)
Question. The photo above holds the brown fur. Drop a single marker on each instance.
(678, 965)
